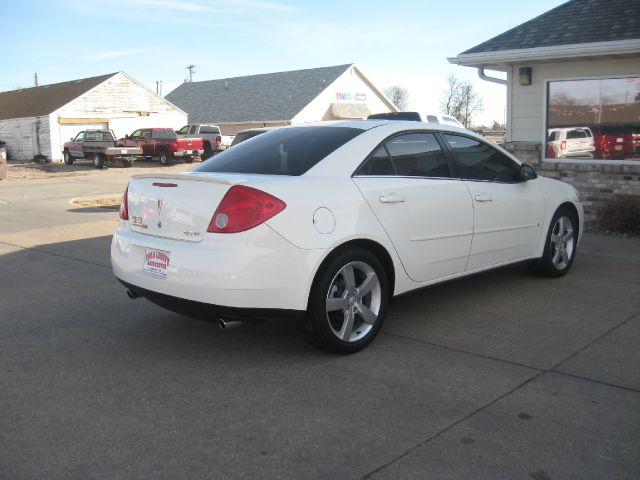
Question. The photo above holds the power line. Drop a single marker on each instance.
(192, 70)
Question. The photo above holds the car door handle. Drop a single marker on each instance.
(483, 197)
(391, 198)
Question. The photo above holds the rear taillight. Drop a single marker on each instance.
(218, 140)
(124, 205)
(243, 208)
(563, 145)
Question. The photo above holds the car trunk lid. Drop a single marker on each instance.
(176, 206)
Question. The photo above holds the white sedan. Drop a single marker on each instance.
(326, 222)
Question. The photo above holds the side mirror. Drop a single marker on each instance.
(527, 173)
(71, 139)
(126, 137)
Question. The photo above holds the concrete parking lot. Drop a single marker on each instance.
(500, 376)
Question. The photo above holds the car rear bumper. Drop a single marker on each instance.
(209, 311)
(257, 269)
(188, 153)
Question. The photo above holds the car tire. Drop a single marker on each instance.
(68, 159)
(127, 162)
(163, 157)
(189, 160)
(560, 245)
(98, 160)
(208, 151)
(347, 302)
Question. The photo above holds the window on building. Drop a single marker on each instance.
(593, 119)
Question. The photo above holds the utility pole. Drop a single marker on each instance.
(192, 70)
(35, 79)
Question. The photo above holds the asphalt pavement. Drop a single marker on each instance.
(503, 375)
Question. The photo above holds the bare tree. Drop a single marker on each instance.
(398, 95)
(460, 100)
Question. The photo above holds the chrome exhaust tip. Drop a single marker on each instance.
(228, 324)
(132, 295)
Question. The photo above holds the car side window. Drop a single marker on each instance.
(79, 137)
(183, 130)
(145, 134)
(418, 155)
(477, 160)
(135, 134)
(378, 164)
(408, 155)
(193, 129)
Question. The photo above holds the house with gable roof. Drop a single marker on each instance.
(283, 98)
(38, 120)
(573, 94)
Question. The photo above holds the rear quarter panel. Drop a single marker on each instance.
(315, 198)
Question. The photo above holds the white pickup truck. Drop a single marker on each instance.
(212, 138)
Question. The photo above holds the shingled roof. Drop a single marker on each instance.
(43, 100)
(574, 22)
(267, 97)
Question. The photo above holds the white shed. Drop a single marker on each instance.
(39, 120)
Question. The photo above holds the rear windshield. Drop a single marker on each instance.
(573, 134)
(285, 151)
(164, 134)
(98, 136)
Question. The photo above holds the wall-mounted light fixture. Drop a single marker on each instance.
(525, 75)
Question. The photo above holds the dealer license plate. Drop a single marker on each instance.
(124, 151)
(156, 261)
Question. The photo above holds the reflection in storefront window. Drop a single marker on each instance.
(594, 119)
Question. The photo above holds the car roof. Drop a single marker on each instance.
(399, 124)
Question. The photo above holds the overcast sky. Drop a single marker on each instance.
(394, 41)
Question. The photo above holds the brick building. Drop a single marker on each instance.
(573, 94)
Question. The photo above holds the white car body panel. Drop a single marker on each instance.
(432, 242)
(507, 221)
(272, 266)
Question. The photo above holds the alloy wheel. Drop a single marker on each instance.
(562, 243)
(353, 301)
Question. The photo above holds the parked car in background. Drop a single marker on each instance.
(212, 139)
(617, 142)
(409, 116)
(248, 133)
(570, 142)
(164, 144)
(3, 160)
(435, 118)
(325, 222)
(443, 119)
(100, 147)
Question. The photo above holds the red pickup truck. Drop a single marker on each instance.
(164, 144)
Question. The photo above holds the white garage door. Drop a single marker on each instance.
(70, 131)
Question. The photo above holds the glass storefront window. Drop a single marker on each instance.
(597, 119)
